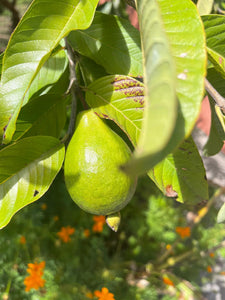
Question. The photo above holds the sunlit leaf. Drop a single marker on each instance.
(121, 99)
(111, 42)
(44, 115)
(159, 75)
(179, 178)
(215, 38)
(40, 30)
(184, 31)
(49, 74)
(27, 169)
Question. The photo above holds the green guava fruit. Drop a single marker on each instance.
(92, 167)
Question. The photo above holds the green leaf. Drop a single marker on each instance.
(121, 99)
(49, 74)
(179, 178)
(40, 30)
(205, 7)
(1, 59)
(111, 42)
(221, 214)
(44, 115)
(184, 31)
(27, 169)
(217, 131)
(159, 74)
(215, 38)
(90, 70)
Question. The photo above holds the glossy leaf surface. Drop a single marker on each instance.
(44, 115)
(27, 168)
(111, 42)
(40, 30)
(215, 38)
(184, 31)
(179, 178)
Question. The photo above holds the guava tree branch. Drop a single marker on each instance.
(220, 100)
(73, 89)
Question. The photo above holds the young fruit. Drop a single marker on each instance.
(92, 167)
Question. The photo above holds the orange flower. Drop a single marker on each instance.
(34, 280)
(65, 232)
(222, 273)
(44, 206)
(99, 223)
(168, 281)
(104, 294)
(183, 231)
(22, 240)
(86, 233)
(211, 254)
(36, 268)
(209, 269)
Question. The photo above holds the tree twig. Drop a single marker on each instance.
(73, 89)
(220, 100)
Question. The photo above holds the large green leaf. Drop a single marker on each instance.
(215, 38)
(27, 169)
(121, 99)
(90, 70)
(111, 42)
(48, 75)
(40, 30)
(44, 115)
(182, 174)
(159, 75)
(184, 31)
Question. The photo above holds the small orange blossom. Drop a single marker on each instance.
(99, 223)
(168, 281)
(183, 231)
(22, 240)
(104, 294)
(65, 232)
(34, 280)
(209, 269)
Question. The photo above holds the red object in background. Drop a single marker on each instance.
(204, 119)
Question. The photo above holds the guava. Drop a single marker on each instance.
(92, 170)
